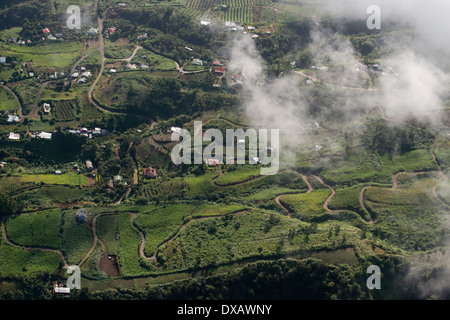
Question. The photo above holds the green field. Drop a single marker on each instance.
(129, 239)
(76, 239)
(7, 101)
(270, 193)
(37, 229)
(161, 223)
(444, 191)
(16, 262)
(197, 185)
(240, 174)
(57, 56)
(212, 242)
(306, 205)
(348, 199)
(410, 216)
(69, 178)
(107, 232)
(379, 169)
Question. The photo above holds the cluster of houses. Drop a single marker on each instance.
(19, 41)
(218, 68)
(82, 75)
(384, 70)
(46, 32)
(90, 133)
(12, 118)
(41, 135)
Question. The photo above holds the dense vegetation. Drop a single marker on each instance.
(355, 189)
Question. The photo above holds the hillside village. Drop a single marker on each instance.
(90, 117)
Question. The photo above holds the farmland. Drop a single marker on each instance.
(356, 185)
(35, 229)
(7, 101)
(64, 109)
(242, 15)
(68, 178)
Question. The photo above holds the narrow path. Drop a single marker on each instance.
(132, 55)
(34, 111)
(94, 232)
(278, 197)
(96, 238)
(102, 67)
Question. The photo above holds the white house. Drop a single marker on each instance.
(13, 118)
(46, 107)
(45, 135)
(14, 136)
(65, 290)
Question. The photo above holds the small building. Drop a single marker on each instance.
(197, 62)
(150, 173)
(58, 172)
(44, 135)
(64, 290)
(216, 63)
(113, 71)
(81, 215)
(142, 37)
(93, 32)
(122, 4)
(47, 107)
(205, 23)
(111, 30)
(14, 136)
(89, 166)
(219, 70)
(250, 28)
(46, 30)
(117, 180)
(2, 60)
(230, 24)
(175, 129)
(213, 162)
(13, 118)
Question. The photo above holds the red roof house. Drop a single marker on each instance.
(219, 70)
(150, 172)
